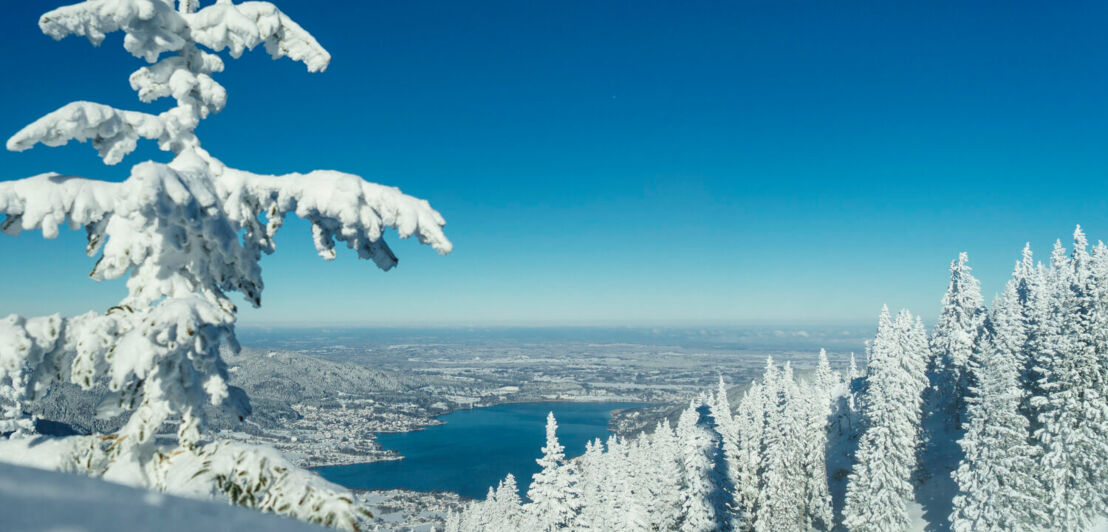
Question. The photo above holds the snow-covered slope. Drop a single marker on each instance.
(38, 500)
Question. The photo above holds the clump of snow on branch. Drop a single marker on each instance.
(113, 132)
(185, 235)
(243, 26)
(151, 27)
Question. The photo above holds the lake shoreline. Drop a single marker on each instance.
(395, 457)
(474, 448)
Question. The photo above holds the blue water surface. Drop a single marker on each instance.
(476, 448)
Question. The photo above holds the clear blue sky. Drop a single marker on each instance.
(631, 161)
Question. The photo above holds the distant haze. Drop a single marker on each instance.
(841, 339)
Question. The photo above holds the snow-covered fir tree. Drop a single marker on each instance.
(750, 423)
(665, 474)
(827, 379)
(554, 490)
(695, 443)
(953, 341)
(501, 510)
(594, 488)
(730, 447)
(815, 405)
(996, 488)
(185, 235)
(631, 494)
(781, 499)
(879, 488)
(507, 513)
(1072, 411)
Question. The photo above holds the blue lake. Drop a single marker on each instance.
(476, 448)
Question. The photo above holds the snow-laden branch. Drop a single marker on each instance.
(340, 206)
(164, 225)
(114, 132)
(47, 200)
(240, 27)
(152, 27)
(192, 207)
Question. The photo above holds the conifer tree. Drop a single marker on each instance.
(996, 488)
(879, 487)
(554, 494)
(593, 480)
(750, 426)
(815, 405)
(781, 500)
(697, 511)
(631, 497)
(186, 235)
(1073, 411)
(665, 478)
(917, 355)
(505, 511)
(953, 342)
(728, 431)
(827, 379)
(1043, 326)
(1030, 292)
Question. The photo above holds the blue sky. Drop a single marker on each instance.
(625, 162)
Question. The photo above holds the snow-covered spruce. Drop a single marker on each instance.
(880, 488)
(731, 449)
(953, 341)
(1072, 376)
(997, 490)
(185, 235)
(554, 489)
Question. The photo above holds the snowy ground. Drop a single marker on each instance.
(33, 500)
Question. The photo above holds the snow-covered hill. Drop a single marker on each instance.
(36, 500)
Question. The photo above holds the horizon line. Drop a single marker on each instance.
(554, 324)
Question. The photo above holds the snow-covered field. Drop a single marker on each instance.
(36, 500)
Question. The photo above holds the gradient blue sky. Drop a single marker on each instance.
(624, 162)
